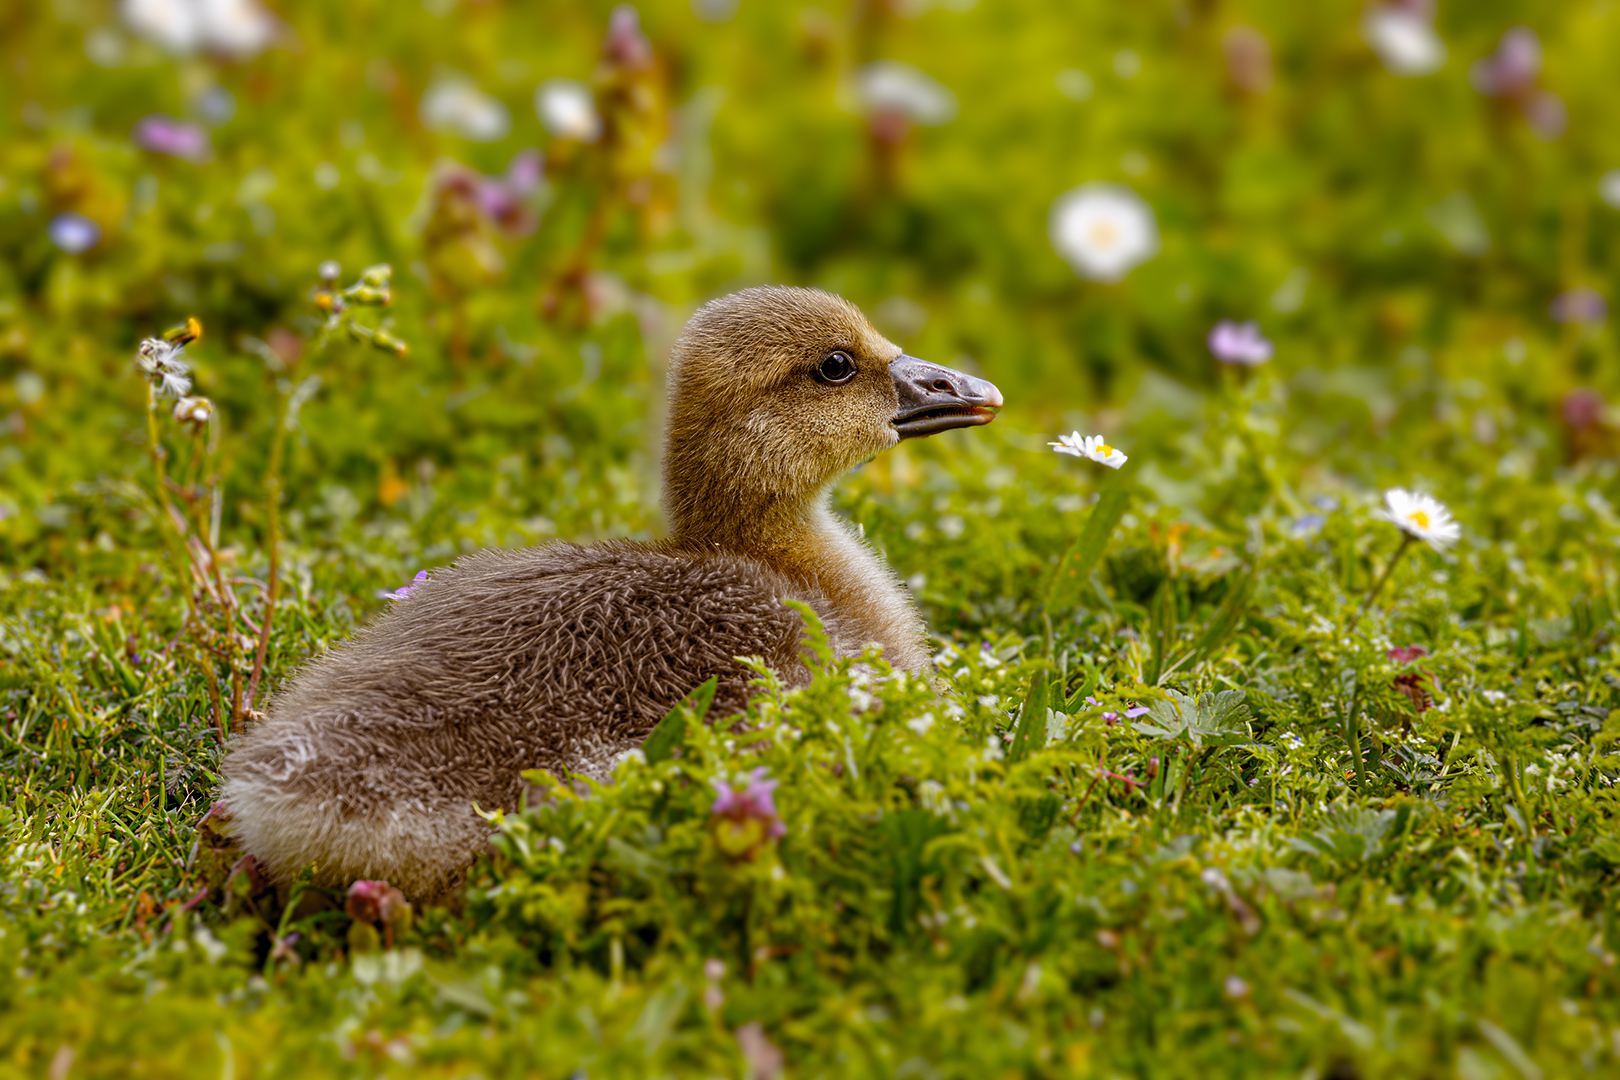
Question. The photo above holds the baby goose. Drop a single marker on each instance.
(564, 657)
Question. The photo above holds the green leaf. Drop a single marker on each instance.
(1221, 625)
(1077, 700)
(670, 733)
(1083, 555)
(1214, 719)
(1029, 734)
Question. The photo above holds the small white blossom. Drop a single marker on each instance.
(1089, 446)
(1609, 188)
(238, 28)
(889, 86)
(455, 106)
(1420, 516)
(568, 110)
(1103, 230)
(194, 412)
(164, 368)
(1404, 41)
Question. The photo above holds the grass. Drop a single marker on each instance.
(1216, 774)
(1125, 834)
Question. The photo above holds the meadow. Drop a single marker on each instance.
(1229, 765)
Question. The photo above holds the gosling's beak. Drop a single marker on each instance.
(934, 398)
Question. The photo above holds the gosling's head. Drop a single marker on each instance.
(774, 392)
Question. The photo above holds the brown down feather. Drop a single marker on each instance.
(370, 760)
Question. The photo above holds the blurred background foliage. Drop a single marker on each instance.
(1402, 233)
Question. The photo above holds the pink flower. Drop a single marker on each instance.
(1512, 69)
(1417, 685)
(754, 803)
(404, 590)
(364, 903)
(1130, 714)
(626, 46)
(1239, 343)
(1582, 408)
(375, 901)
(165, 135)
(1544, 111)
(765, 1059)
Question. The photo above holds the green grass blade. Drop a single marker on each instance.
(1074, 570)
(670, 733)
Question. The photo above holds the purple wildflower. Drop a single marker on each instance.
(626, 46)
(404, 590)
(1579, 305)
(1131, 713)
(1307, 525)
(165, 135)
(73, 233)
(525, 171)
(752, 803)
(1512, 69)
(1239, 343)
(1546, 114)
(282, 947)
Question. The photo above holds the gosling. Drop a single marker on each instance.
(563, 657)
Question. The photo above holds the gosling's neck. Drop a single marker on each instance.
(805, 541)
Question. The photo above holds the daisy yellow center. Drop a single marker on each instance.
(1418, 518)
(1105, 449)
(1104, 234)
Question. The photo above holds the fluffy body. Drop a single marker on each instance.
(370, 762)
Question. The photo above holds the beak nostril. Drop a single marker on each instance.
(942, 385)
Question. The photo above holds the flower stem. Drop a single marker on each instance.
(172, 524)
(1378, 586)
(272, 504)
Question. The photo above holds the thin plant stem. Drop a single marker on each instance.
(272, 503)
(1352, 736)
(1378, 586)
(168, 526)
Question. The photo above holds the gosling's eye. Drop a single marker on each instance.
(837, 368)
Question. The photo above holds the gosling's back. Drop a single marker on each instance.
(557, 657)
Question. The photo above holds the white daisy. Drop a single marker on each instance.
(1103, 230)
(568, 109)
(1089, 446)
(890, 86)
(1404, 40)
(455, 106)
(1420, 516)
(237, 28)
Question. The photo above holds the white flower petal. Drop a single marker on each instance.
(568, 110)
(1091, 447)
(1103, 230)
(1420, 516)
